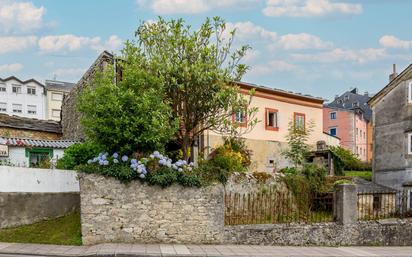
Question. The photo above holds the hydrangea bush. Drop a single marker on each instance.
(157, 169)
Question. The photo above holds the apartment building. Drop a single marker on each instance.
(56, 91)
(22, 98)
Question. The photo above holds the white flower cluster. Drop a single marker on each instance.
(179, 165)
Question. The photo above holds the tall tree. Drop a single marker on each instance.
(198, 69)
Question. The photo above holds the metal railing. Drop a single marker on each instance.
(374, 205)
(272, 206)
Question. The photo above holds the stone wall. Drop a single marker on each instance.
(25, 133)
(372, 233)
(26, 208)
(70, 121)
(115, 212)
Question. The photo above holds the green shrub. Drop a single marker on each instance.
(163, 177)
(77, 154)
(349, 160)
(209, 172)
(343, 181)
(238, 145)
(289, 170)
(367, 175)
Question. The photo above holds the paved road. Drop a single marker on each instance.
(153, 250)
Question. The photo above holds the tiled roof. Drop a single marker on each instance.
(21, 81)
(280, 91)
(346, 101)
(29, 124)
(59, 85)
(36, 142)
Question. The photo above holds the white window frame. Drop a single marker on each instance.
(330, 115)
(31, 90)
(16, 86)
(5, 107)
(15, 110)
(29, 111)
(57, 94)
(55, 110)
(410, 92)
(409, 143)
(3, 86)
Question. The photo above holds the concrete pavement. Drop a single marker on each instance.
(172, 250)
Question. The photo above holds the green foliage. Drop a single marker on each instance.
(367, 175)
(64, 230)
(193, 65)
(131, 115)
(343, 181)
(297, 138)
(238, 145)
(163, 177)
(121, 172)
(349, 160)
(77, 154)
(209, 172)
(304, 182)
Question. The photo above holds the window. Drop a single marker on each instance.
(2, 87)
(16, 89)
(360, 133)
(37, 156)
(410, 92)
(57, 96)
(31, 90)
(240, 118)
(3, 107)
(333, 115)
(409, 143)
(364, 134)
(299, 120)
(17, 108)
(360, 150)
(346, 97)
(271, 119)
(355, 104)
(332, 131)
(31, 109)
(56, 113)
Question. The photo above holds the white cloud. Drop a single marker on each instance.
(13, 67)
(339, 54)
(70, 42)
(302, 41)
(16, 44)
(394, 42)
(191, 6)
(309, 8)
(271, 67)
(20, 16)
(249, 31)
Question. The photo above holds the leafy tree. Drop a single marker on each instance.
(130, 115)
(198, 70)
(297, 141)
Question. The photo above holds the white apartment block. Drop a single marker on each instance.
(22, 98)
(56, 90)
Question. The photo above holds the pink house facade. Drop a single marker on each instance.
(350, 126)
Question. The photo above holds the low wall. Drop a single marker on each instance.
(371, 233)
(115, 212)
(26, 208)
(18, 179)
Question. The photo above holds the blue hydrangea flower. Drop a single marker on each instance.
(125, 158)
(133, 161)
(105, 162)
(115, 155)
(142, 176)
(89, 161)
(101, 162)
(115, 161)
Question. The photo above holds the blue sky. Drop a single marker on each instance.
(317, 47)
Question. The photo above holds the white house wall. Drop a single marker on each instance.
(18, 179)
(10, 98)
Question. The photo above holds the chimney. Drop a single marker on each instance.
(394, 74)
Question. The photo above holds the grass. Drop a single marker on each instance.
(367, 175)
(61, 231)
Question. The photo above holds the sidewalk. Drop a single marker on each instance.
(153, 250)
